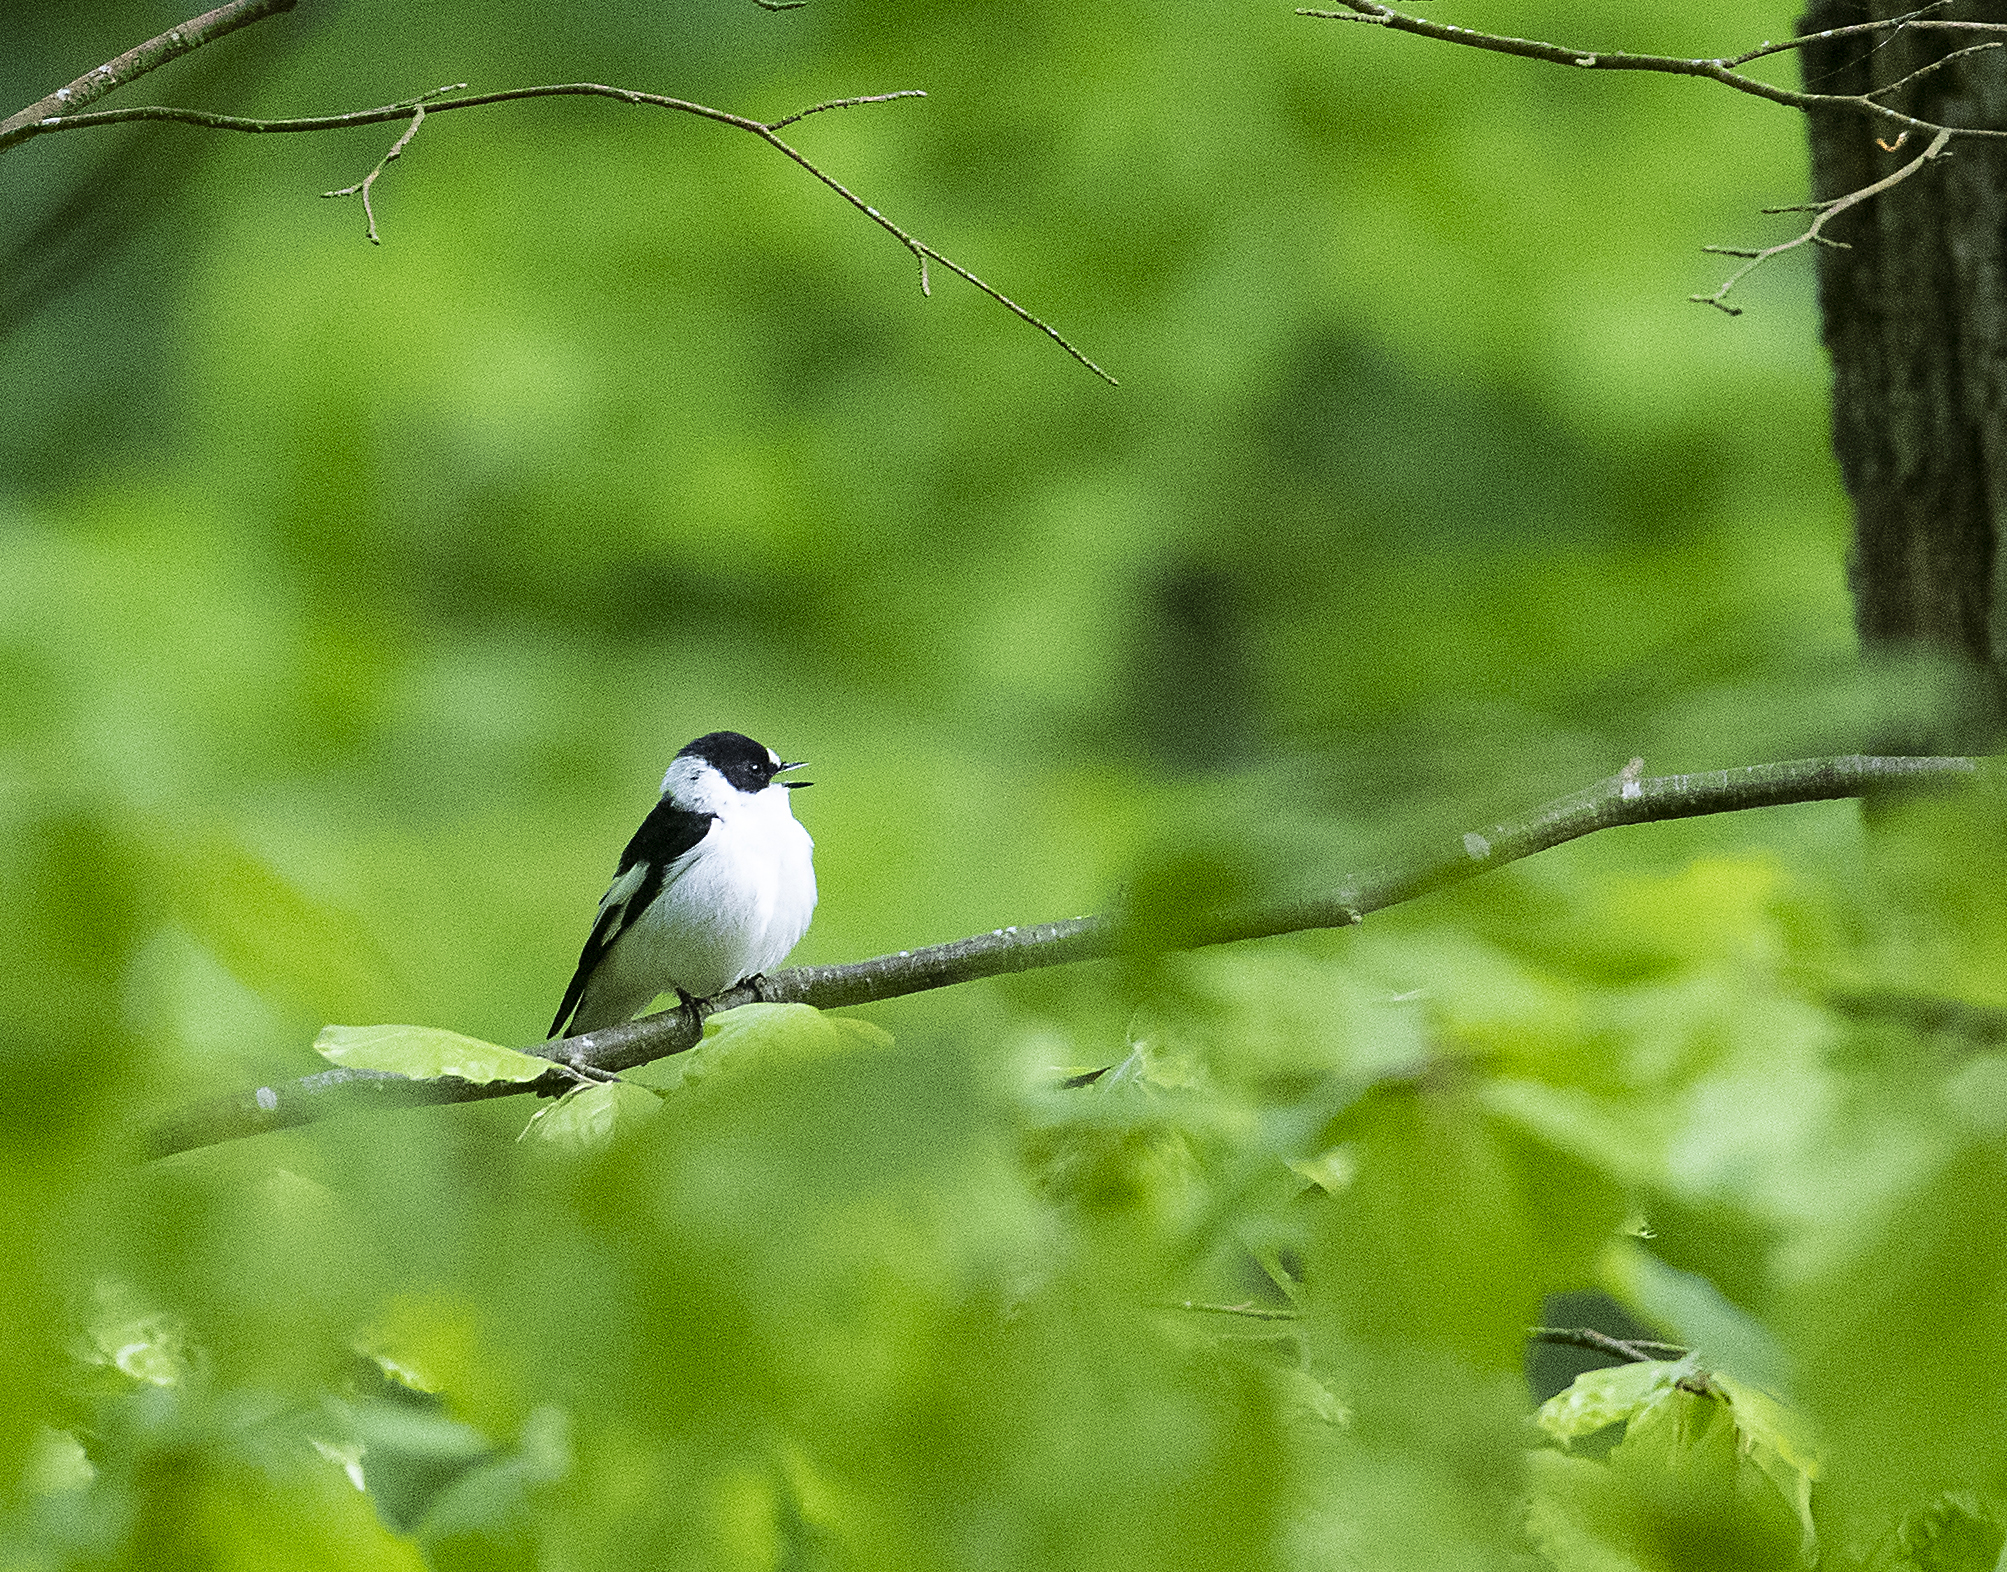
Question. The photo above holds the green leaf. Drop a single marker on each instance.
(1680, 1493)
(1617, 1394)
(411, 1456)
(1770, 1435)
(1960, 1531)
(800, 1029)
(486, 1497)
(1305, 1394)
(1569, 1500)
(426, 1053)
(586, 1117)
(1778, 1440)
(126, 1334)
(56, 1463)
(267, 932)
(769, 1034)
(1895, 1321)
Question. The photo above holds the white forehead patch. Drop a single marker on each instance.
(773, 758)
(696, 784)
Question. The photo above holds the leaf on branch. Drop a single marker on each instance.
(1688, 1471)
(587, 1117)
(1622, 799)
(1669, 1409)
(1613, 1395)
(1778, 1440)
(426, 1053)
(759, 1034)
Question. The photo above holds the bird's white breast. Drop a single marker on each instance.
(735, 905)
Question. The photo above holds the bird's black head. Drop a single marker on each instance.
(743, 762)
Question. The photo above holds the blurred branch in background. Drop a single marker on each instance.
(133, 64)
(1630, 1350)
(1975, 1025)
(92, 218)
(1247, 1309)
(57, 112)
(1723, 70)
(1625, 798)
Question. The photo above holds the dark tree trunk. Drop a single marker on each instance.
(1915, 317)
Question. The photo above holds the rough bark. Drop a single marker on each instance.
(1915, 318)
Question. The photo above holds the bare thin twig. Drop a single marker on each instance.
(396, 151)
(1624, 798)
(843, 103)
(1247, 1308)
(1723, 70)
(1925, 70)
(135, 63)
(1826, 211)
(767, 133)
(1720, 70)
(1891, 25)
(1633, 1350)
(1909, 21)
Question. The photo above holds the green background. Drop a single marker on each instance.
(355, 597)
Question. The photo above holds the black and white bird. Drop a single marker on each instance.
(717, 886)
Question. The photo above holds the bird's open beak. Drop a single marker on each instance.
(794, 785)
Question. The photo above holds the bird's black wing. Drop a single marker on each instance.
(668, 833)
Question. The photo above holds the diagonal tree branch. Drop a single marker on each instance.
(416, 109)
(1717, 70)
(135, 63)
(1625, 798)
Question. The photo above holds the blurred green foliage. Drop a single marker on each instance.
(355, 597)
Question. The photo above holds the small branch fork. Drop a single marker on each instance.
(1628, 797)
(396, 151)
(1724, 70)
(60, 111)
(1718, 70)
(1825, 211)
